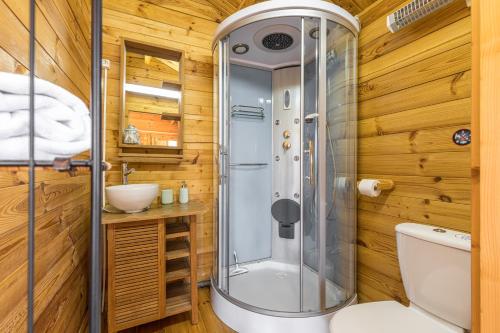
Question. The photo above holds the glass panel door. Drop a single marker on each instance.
(329, 164)
(216, 174)
(340, 164)
(223, 168)
(310, 209)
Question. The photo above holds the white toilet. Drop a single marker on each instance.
(435, 266)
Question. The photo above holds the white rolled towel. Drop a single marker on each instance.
(17, 148)
(62, 120)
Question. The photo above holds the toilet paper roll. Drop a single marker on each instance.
(369, 187)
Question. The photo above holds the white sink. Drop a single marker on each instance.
(132, 198)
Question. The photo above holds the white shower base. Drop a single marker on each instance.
(275, 286)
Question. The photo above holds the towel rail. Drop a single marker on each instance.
(247, 111)
(248, 164)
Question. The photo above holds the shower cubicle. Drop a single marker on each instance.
(285, 95)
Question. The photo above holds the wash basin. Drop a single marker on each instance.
(131, 198)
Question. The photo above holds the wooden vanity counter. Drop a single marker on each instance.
(192, 208)
(152, 264)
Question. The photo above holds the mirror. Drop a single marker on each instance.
(151, 110)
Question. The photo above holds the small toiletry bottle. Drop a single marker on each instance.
(183, 193)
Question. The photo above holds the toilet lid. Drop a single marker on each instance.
(383, 317)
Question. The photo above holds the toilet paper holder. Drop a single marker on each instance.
(384, 184)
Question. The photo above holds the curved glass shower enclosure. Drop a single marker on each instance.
(285, 93)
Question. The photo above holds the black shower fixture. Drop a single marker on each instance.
(277, 41)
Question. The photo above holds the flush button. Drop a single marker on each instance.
(439, 230)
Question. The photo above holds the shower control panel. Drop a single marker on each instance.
(286, 165)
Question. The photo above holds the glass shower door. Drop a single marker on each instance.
(329, 165)
(221, 231)
(340, 163)
(310, 209)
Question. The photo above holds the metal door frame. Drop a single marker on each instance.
(95, 164)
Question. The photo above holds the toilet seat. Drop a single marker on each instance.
(384, 317)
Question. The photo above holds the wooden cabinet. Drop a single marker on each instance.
(151, 259)
(135, 273)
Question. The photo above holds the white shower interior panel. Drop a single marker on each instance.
(250, 184)
(286, 162)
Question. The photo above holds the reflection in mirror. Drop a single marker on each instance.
(152, 88)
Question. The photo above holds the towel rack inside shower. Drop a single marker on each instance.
(247, 111)
(248, 164)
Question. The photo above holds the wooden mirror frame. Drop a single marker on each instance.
(128, 151)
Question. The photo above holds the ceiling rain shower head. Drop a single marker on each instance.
(277, 38)
(277, 41)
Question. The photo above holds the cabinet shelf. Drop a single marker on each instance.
(176, 230)
(178, 298)
(177, 269)
(177, 249)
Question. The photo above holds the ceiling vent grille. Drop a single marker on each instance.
(412, 12)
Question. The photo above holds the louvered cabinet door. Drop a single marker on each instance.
(135, 263)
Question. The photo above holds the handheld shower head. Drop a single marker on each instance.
(310, 117)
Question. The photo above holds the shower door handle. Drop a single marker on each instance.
(222, 164)
(310, 151)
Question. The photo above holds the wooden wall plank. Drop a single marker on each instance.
(61, 246)
(452, 61)
(454, 112)
(443, 90)
(451, 36)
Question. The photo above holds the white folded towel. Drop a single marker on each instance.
(17, 148)
(62, 120)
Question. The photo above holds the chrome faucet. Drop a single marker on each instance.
(125, 172)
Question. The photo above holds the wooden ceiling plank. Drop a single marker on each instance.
(224, 7)
(229, 7)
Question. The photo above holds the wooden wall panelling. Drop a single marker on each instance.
(190, 30)
(54, 67)
(486, 198)
(61, 248)
(376, 40)
(414, 93)
(62, 200)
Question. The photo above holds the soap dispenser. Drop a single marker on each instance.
(183, 193)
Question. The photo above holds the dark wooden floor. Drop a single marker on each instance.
(208, 321)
